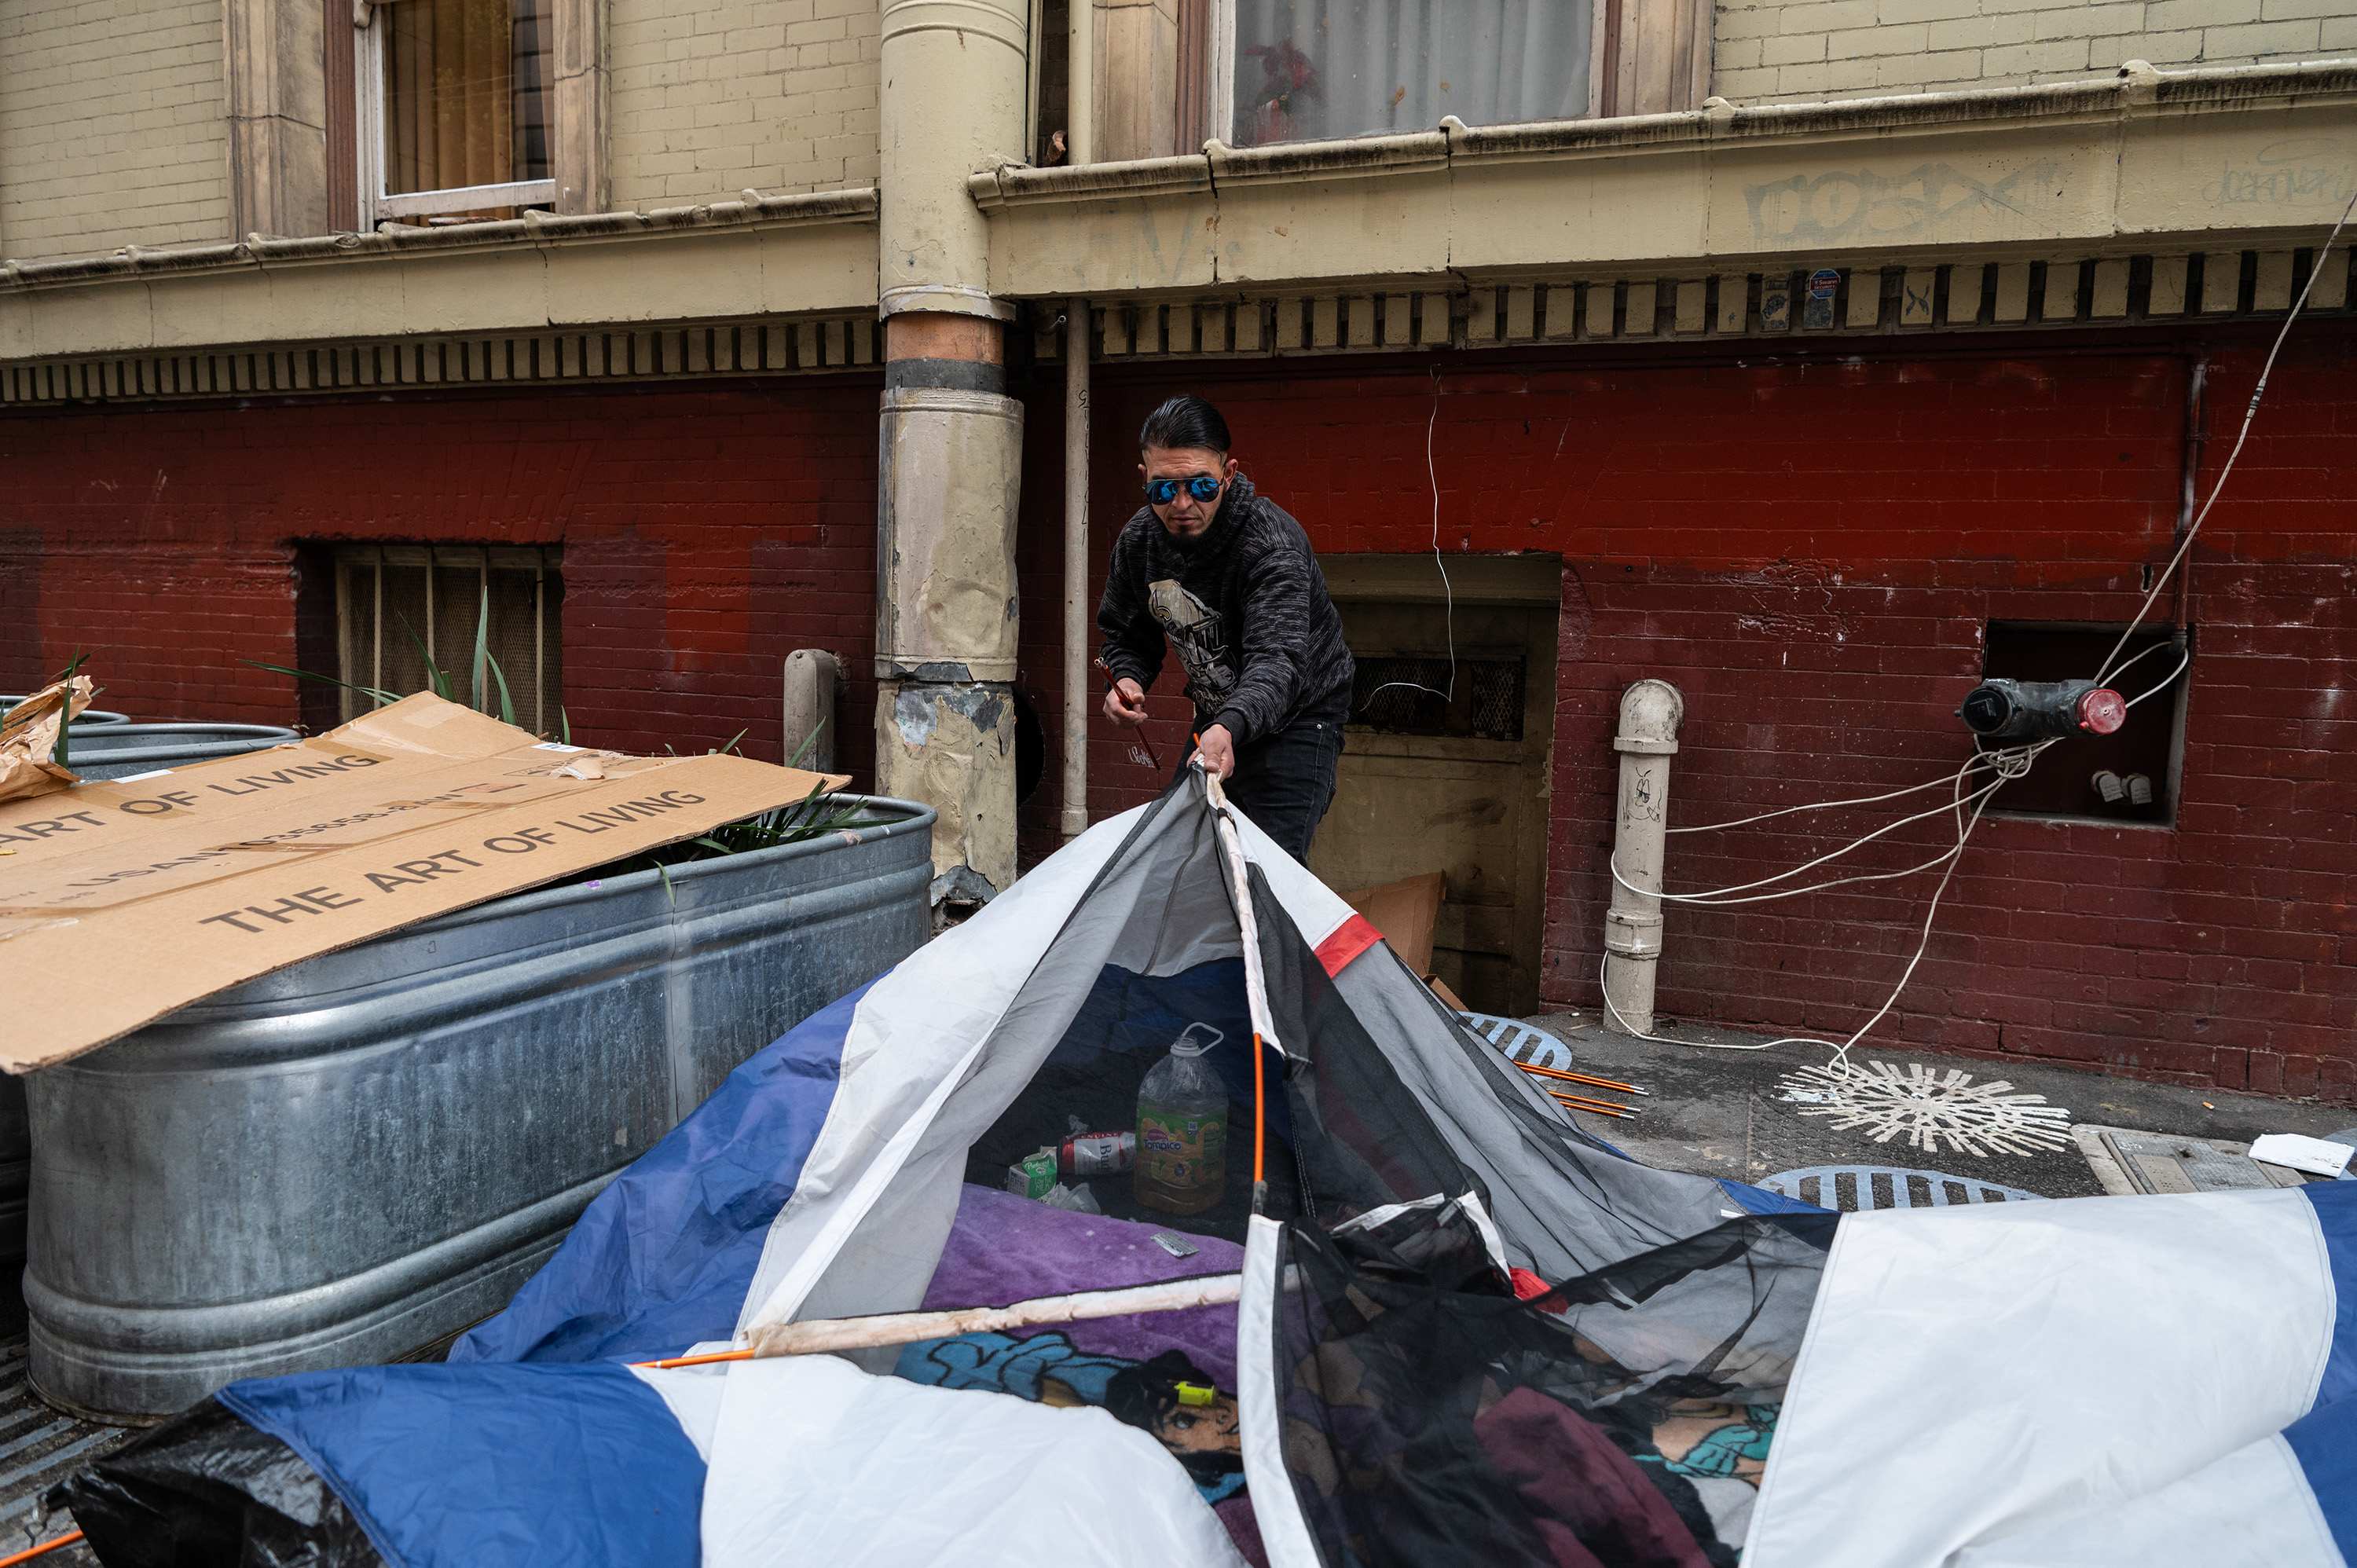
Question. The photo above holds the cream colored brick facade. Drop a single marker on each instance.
(114, 125)
(708, 98)
(1781, 51)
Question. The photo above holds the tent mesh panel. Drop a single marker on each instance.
(1430, 1418)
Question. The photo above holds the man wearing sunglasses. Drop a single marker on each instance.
(1223, 576)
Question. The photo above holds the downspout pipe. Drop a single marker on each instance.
(1076, 567)
(1080, 84)
(1652, 713)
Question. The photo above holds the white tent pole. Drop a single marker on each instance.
(823, 1336)
(1255, 984)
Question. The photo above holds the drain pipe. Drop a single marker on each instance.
(1076, 567)
(1651, 714)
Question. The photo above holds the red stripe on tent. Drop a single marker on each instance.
(1347, 941)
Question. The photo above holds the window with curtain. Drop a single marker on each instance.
(1309, 69)
(467, 87)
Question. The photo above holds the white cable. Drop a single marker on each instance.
(1448, 590)
(2135, 658)
(1707, 901)
(2314, 272)
(2171, 681)
(1814, 806)
(1604, 979)
(1723, 894)
(2011, 763)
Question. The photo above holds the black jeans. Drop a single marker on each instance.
(1284, 781)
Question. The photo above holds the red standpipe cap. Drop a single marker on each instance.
(2101, 711)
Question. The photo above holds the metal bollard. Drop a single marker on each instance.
(1651, 714)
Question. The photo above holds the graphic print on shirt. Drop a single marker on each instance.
(1196, 636)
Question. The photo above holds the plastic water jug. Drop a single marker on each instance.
(1182, 1129)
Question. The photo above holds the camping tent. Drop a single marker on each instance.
(1464, 1330)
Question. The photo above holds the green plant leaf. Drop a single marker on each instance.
(563, 727)
(808, 741)
(507, 702)
(382, 696)
(434, 676)
(732, 739)
(482, 644)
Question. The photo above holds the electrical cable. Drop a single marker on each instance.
(1723, 894)
(1814, 806)
(1448, 590)
(2010, 764)
(2135, 658)
(2315, 271)
(2186, 657)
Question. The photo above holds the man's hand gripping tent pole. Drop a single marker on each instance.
(1256, 986)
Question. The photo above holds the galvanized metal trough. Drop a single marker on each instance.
(120, 751)
(355, 1158)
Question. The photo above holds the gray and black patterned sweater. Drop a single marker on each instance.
(1245, 607)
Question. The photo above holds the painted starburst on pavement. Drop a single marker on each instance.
(1979, 1119)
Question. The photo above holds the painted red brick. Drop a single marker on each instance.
(1810, 550)
(707, 533)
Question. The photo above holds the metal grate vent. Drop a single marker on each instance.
(1413, 694)
(1855, 1189)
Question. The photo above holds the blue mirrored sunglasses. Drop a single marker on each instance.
(1162, 492)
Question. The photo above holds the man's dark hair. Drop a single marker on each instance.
(1185, 421)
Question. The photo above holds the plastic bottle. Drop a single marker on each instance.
(1182, 1129)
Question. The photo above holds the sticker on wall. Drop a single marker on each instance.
(1824, 283)
(1776, 302)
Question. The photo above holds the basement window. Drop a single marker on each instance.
(1415, 695)
(2130, 776)
(397, 605)
(455, 103)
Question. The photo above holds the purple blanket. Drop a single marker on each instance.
(1006, 1249)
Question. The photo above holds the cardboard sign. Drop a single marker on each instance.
(122, 900)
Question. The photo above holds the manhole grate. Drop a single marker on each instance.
(1521, 1044)
(1855, 1188)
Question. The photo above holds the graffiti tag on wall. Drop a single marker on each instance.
(1849, 206)
(2306, 172)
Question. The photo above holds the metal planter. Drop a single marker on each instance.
(87, 718)
(364, 1154)
(119, 751)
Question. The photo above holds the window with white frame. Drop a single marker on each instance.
(455, 105)
(1290, 71)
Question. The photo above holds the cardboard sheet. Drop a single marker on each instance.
(122, 900)
(1405, 912)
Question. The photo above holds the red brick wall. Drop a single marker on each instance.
(707, 533)
(1809, 550)
(1808, 547)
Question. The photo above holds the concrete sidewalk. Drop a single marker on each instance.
(1721, 1112)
